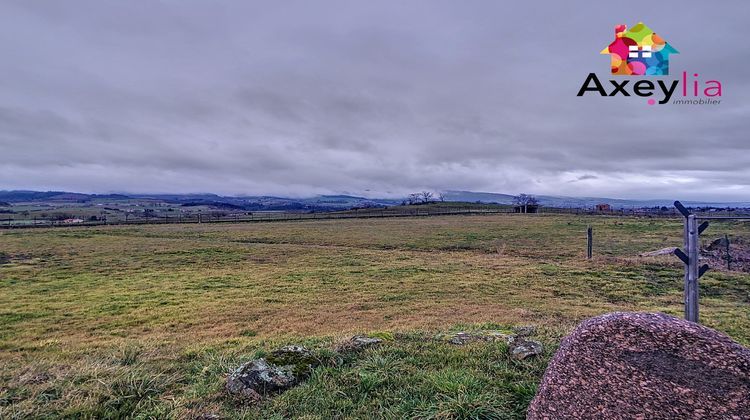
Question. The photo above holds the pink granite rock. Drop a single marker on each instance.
(645, 366)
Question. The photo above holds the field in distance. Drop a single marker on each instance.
(148, 319)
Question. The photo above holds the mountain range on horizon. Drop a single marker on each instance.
(342, 201)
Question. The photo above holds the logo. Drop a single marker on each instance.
(639, 51)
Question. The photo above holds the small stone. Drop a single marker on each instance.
(257, 378)
(522, 349)
(357, 343)
(462, 337)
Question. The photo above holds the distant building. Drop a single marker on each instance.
(603, 207)
(72, 221)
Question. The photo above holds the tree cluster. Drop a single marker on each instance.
(423, 197)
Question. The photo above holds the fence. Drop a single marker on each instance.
(220, 217)
(395, 211)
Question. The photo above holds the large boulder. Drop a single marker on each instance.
(645, 366)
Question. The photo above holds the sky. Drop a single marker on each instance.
(374, 98)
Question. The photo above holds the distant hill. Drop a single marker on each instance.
(248, 203)
(482, 197)
(61, 196)
(18, 196)
(583, 202)
(337, 202)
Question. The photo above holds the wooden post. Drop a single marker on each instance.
(589, 242)
(691, 274)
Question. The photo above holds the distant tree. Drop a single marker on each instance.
(524, 201)
(441, 196)
(413, 198)
(63, 216)
(426, 196)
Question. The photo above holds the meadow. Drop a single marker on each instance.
(145, 321)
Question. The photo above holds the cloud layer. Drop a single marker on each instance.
(375, 98)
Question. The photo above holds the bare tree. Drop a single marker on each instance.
(524, 201)
(426, 196)
(413, 198)
(441, 196)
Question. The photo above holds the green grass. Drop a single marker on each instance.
(148, 319)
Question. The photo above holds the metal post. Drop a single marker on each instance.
(692, 272)
(589, 242)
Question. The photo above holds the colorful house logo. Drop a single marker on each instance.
(639, 51)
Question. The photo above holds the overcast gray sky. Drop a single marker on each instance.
(377, 98)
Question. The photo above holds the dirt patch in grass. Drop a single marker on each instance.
(736, 259)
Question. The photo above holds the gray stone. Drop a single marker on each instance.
(463, 337)
(521, 348)
(298, 359)
(357, 343)
(258, 378)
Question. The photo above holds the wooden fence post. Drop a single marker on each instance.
(691, 274)
(589, 242)
(691, 259)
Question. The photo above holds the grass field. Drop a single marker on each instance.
(147, 320)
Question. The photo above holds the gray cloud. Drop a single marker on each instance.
(305, 98)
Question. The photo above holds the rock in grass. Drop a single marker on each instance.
(663, 251)
(257, 378)
(645, 365)
(300, 360)
(281, 370)
(463, 337)
(521, 349)
(356, 343)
